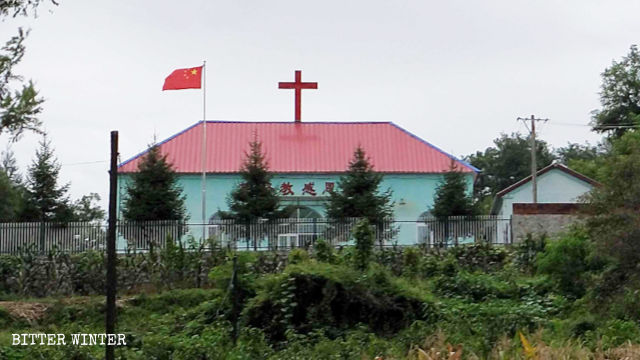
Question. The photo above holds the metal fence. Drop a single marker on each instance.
(279, 234)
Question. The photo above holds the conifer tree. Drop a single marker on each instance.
(451, 197)
(46, 200)
(11, 187)
(10, 198)
(9, 165)
(254, 198)
(358, 193)
(153, 193)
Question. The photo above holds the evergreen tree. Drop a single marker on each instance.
(10, 199)
(9, 165)
(153, 193)
(451, 197)
(358, 194)
(45, 199)
(254, 198)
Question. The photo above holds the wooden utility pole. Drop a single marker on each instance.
(534, 165)
(111, 246)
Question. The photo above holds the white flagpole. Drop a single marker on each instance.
(204, 150)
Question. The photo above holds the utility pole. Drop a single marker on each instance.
(111, 246)
(534, 167)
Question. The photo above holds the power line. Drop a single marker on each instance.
(618, 126)
(85, 163)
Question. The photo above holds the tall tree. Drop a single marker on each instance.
(358, 193)
(254, 198)
(619, 96)
(46, 200)
(614, 223)
(501, 165)
(153, 193)
(451, 197)
(586, 159)
(19, 100)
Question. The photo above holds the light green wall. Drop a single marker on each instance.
(554, 186)
(412, 194)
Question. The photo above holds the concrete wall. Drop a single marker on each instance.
(412, 194)
(538, 224)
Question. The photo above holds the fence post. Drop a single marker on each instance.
(42, 237)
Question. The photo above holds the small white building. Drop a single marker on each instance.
(559, 192)
(557, 184)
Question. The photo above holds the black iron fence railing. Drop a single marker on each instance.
(279, 234)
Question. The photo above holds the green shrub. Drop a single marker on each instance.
(567, 261)
(333, 298)
(616, 332)
(412, 257)
(526, 252)
(324, 251)
(297, 256)
(477, 287)
(479, 256)
(364, 237)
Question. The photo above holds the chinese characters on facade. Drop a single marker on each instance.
(286, 189)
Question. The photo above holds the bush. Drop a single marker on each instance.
(364, 236)
(526, 252)
(567, 261)
(297, 256)
(480, 256)
(332, 298)
(324, 251)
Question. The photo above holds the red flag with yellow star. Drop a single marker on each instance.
(190, 78)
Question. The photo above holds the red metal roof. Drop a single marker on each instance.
(312, 147)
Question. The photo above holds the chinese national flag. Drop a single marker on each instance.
(190, 78)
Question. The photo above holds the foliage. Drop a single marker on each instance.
(479, 256)
(450, 198)
(364, 237)
(614, 220)
(46, 200)
(619, 96)
(10, 206)
(297, 256)
(567, 261)
(527, 250)
(9, 165)
(153, 193)
(58, 273)
(505, 163)
(86, 209)
(18, 108)
(324, 251)
(358, 194)
(312, 297)
(317, 310)
(254, 198)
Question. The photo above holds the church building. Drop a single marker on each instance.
(307, 160)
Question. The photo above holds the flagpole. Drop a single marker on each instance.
(204, 150)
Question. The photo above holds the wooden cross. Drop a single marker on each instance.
(298, 85)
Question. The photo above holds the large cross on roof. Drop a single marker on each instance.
(298, 85)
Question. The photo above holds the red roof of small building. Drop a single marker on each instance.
(311, 147)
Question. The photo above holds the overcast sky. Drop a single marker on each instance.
(455, 73)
